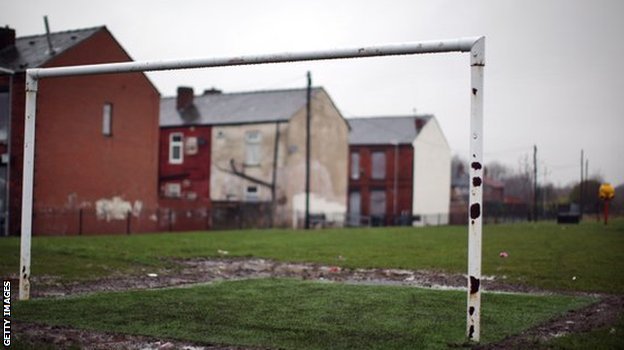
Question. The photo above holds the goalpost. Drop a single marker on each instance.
(475, 46)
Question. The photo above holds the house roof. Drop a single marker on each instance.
(33, 51)
(385, 130)
(237, 108)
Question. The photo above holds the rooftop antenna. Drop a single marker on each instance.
(47, 27)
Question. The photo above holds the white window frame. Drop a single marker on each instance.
(378, 171)
(355, 165)
(253, 147)
(176, 144)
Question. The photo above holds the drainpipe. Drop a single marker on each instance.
(10, 73)
(396, 174)
(273, 184)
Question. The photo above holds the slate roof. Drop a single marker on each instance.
(32, 51)
(384, 130)
(237, 108)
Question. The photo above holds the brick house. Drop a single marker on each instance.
(399, 171)
(244, 153)
(96, 136)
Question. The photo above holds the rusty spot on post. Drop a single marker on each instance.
(476, 181)
(475, 211)
(471, 332)
(474, 91)
(474, 284)
(476, 165)
(471, 310)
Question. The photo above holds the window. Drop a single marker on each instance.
(251, 194)
(176, 144)
(355, 166)
(252, 147)
(378, 202)
(107, 119)
(378, 160)
(4, 115)
(355, 200)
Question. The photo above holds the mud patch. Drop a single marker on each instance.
(598, 315)
(207, 270)
(67, 338)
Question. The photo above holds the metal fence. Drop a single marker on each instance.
(88, 221)
(230, 216)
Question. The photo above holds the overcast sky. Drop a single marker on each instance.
(554, 73)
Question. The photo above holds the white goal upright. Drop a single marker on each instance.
(475, 46)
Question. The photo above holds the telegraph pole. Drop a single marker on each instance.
(535, 183)
(307, 179)
(585, 196)
(581, 187)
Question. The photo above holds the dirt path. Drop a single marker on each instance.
(601, 314)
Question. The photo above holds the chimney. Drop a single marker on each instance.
(185, 98)
(7, 37)
(419, 123)
(212, 91)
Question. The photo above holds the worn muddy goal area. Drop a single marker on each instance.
(190, 273)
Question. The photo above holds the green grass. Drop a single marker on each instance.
(543, 255)
(298, 315)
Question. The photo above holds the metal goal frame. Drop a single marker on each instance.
(475, 46)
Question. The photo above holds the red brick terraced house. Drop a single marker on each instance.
(240, 158)
(399, 171)
(96, 161)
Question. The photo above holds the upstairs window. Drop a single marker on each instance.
(4, 115)
(378, 162)
(355, 165)
(176, 147)
(253, 152)
(107, 119)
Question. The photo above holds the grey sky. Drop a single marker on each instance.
(553, 75)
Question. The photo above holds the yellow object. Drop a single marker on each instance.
(606, 191)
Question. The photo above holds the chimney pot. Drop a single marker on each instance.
(212, 91)
(7, 37)
(184, 98)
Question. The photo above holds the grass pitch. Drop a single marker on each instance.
(292, 314)
(586, 257)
